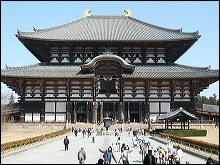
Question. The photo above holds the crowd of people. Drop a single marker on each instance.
(150, 153)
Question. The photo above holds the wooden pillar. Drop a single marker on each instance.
(114, 111)
(42, 94)
(87, 112)
(181, 125)
(173, 85)
(75, 112)
(101, 112)
(192, 96)
(184, 125)
(21, 92)
(146, 104)
(188, 124)
(171, 126)
(140, 113)
(129, 117)
(121, 112)
(94, 109)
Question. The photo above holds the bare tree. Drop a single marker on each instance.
(5, 109)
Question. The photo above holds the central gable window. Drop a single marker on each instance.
(108, 85)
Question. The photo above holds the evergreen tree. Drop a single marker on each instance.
(11, 100)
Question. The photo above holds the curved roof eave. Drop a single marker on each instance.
(97, 28)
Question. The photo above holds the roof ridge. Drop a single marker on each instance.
(192, 67)
(167, 29)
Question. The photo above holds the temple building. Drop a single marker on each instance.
(106, 65)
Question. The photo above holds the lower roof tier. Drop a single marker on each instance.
(168, 71)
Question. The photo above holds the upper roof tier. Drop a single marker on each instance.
(103, 28)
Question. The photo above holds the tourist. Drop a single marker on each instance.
(123, 158)
(149, 158)
(93, 136)
(169, 147)
(75, 131)
(127, 150)
(100, 161)
(179, 153)
(156, 155)
(83, 132)
(82, 156)
(66, 143)
(210, 161)
(118, 144)
(108, 155)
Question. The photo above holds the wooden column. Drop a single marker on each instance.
(114, 111)
(188, 124)
(140, 113)
(146, 104)
(42, 94)
(94, 108)
(21, 92)
(87, 112)
(172, 94)
(129, 118)
(192, 96)
(121, 112)
(69, 113)
(75, 112)
(101, 112)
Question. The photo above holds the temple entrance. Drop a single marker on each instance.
(81, 117)
(108, 110)
(134, 117)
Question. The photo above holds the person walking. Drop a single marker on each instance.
(118, 144)
(81, 156)
(149, 158)
(66, 143)
(179, 153)
(93, 136)
(123, 158)
(210, 161)
(83, 132)
(108, 155)
(169, 147)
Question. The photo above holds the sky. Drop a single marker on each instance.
(189, 15)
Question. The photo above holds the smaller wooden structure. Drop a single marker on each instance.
(178, 115)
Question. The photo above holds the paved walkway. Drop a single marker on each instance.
(53, 152)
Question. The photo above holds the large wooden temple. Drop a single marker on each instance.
(100, 65)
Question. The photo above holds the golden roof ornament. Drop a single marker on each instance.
(128, 12)
(86, 13)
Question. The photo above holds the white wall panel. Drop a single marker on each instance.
(49, 106)
(61, 107)
(28, 117)
(61, 117)
(49, 117)
(36, 117)
(165, 107)
(154, 107)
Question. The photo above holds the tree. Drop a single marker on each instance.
(204, 100)
(5, 109)
(11, 100)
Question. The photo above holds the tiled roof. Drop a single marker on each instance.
(175, 113)
(207, 107)
(108, 28)
(140, 71)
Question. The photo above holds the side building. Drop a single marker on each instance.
(98, 66)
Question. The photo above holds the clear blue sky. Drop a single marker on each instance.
(189, 15)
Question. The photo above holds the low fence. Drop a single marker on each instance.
(34, 126)
(61, 126)
(191, 126)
